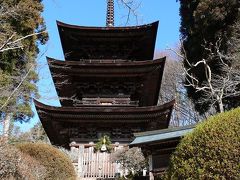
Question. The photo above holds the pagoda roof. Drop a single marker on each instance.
(160, 136)
(82, 42)
(78, 79)
(57, 120)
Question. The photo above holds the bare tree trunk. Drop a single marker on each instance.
(220, 105)
(6, 125)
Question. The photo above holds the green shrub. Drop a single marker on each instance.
(57, 164)
(211, 151)
(16, 165)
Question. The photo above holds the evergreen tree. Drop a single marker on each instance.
(21, 31)
(209, 31)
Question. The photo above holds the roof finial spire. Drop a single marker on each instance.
(110, 13)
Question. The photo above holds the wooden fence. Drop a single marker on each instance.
(94, 165)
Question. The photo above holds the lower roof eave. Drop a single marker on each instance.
(103, 112)
(53, 118)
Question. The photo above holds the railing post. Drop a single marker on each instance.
(80, 161)
(151, 177)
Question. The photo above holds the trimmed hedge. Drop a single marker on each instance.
(211, 151)
(16, 165)
(57, 164)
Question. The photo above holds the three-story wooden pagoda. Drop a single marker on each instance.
(108, 84)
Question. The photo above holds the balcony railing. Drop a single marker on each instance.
(106, 102)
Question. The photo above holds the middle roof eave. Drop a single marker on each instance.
(145, 75)
(123, 64)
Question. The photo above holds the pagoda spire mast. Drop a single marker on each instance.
(110, 13)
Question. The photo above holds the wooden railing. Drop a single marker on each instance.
(95, 165)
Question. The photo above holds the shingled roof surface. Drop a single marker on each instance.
(161, 135)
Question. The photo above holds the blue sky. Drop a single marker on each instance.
(93, 13)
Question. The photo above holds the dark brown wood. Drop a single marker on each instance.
(132, 43)
(161, 152)
(108, 85)
(83, 124)
(138, 80)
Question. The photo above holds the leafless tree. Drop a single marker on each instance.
(172, 87)
(131, 160)
(132, 7)
(217, 87)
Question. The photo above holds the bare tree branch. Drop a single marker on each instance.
(216, 87)
(19, 84)
(132, 6)
(13, 92)
(172, 87)
(16, 44)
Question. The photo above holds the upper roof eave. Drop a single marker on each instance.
(83, 42)
(65, 25)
